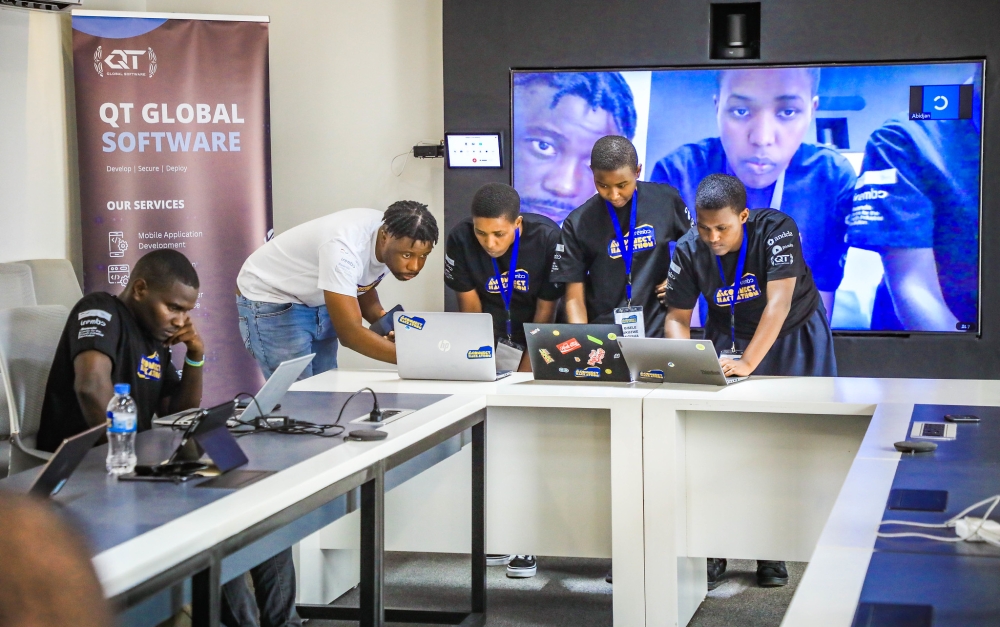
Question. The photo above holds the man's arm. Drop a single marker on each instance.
(345, 314)
(677, 325)
(576, 304)
(371, 306)
(912, 277)
(188, 393)
(93, 386)
(779, 303)
(468, 302)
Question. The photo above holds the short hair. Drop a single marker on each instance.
(410, 219)
(812, 72)
(720, 191)
(604, 90)
(496, 200)
(161, 268)
(613, 152)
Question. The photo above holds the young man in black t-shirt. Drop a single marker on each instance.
(127, 339)
(484, 244)
(625, 216)
(778, 325)
(495, 239)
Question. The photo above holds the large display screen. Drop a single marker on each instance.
(879, 165)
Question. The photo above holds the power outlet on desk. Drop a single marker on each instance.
(388, 416)
(934, 430)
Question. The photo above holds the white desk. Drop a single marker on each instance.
(664, 476)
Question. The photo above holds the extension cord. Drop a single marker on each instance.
(976, 530)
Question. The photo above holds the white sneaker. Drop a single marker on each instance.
(497, 559)
(522, 567)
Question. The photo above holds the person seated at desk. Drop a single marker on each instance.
(127, 339)
(484, 250)
(310, 287)
(616, 246)
(777, 324)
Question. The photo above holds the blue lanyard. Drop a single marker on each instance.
(626, 251)
(507, 293)
(740, 262)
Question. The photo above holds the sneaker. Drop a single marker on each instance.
(607, 577)
(716, 568)
(771, 574)
(497, 559)
(521, 567)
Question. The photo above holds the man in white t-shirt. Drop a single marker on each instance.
(311, 286)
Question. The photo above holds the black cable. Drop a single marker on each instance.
(301, 427)
(260, 412)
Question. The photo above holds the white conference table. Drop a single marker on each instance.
(662, 476)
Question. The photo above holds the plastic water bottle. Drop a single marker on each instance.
(122, 424)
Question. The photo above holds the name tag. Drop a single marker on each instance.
(508, 355)
(633, 324)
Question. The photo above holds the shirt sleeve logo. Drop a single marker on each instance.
(521, 282)
(364, 289)
(749, 290)
(483, 352)
(149, 367)
(645, 239)
(93, 313)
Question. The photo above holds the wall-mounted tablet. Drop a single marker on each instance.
(473, 150)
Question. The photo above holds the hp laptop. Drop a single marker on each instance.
(658, 360)
(64, 461)
(576, 352)
(268, 397)
(445, 346)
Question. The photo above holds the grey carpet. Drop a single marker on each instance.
(566, 592)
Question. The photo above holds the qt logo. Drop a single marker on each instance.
(126, 61)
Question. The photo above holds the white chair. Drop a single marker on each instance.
(28, 340)
(54, 281)
(16, 289)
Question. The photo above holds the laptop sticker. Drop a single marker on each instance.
(653, 375)
(700, 347)
(568, 346)
(596, 357)
(612, 336)
(595, 340)
(546, 355)
(588, 373)
(416, 322)
(483, 352)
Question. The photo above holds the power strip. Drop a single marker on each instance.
(388, 416)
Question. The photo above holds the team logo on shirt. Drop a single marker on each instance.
(416, 322)
(645, 239)
(782, 260)
(749, 290)
(483, 352)
(521, 281)
(149, 367)
(364, 289)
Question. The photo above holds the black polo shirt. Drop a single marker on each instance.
(103, 323)
(774, 252)
(467, 267)
(590, 252)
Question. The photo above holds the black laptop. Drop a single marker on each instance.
(576, 352)
(64, 461)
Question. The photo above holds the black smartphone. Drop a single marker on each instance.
(383, 325)
(961, 418)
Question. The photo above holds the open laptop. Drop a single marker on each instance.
(446, 346)
(576, 352)
(268, 397)
(64, 461)
(659, 360)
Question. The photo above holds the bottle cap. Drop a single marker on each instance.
(122, 389)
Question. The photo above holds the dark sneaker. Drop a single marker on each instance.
(607, 577)
(716, 569)
(497, 559)
(771, 574)
(521, 567)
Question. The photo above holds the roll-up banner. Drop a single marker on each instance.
(174, 149)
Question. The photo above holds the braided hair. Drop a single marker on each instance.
(410, 219)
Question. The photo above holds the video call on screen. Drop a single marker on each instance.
(879, 165)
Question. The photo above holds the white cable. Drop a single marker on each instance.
(989, 535)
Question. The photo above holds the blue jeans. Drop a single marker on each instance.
(277, 332)
(272, 600)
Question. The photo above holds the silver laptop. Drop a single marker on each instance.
(268, 397)
(445, 346)
(659, 360)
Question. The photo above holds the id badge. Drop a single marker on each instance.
(734, 355)
(633, 324)
(508, 355)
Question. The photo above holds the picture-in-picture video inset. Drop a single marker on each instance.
(879, 165)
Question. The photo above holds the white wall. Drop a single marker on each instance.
(353, 84)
